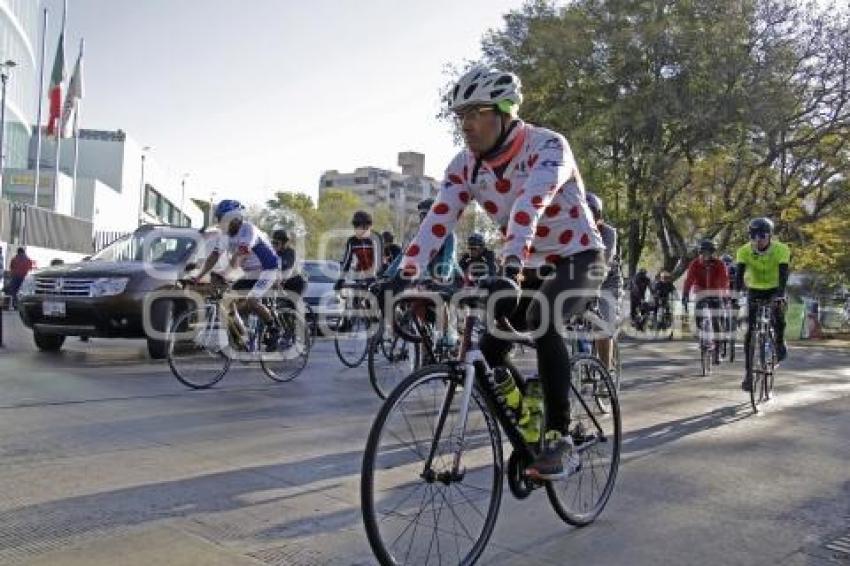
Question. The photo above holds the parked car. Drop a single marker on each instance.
(105, 295)
(320, 295)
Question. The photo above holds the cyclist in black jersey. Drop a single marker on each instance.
(363, 251)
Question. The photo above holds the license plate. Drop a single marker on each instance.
(53, 308)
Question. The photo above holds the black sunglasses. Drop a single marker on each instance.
(758, 235)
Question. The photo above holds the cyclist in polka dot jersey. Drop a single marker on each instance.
(526, 179)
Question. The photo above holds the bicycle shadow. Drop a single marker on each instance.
(640, 442)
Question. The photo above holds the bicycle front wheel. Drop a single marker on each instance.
(757, 370)
(581, 497)
(352, 340)
(416, 513)
(197, 348)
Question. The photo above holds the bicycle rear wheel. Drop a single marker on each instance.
(581, 497)
(415, 515)
(197, 348)
(291, 350)
(351, 341)
(390, 361)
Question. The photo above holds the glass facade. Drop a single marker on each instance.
(19, 41)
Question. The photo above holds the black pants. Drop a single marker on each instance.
(574, 273)
(753, 297)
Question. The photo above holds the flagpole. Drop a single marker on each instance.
(77, 111)
(58, 131)
(36, 177)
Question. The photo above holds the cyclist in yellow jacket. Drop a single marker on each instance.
(763, 265)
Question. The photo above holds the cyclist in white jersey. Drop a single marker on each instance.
(249, 249)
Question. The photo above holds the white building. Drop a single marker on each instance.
(399, 191)
(111, 171)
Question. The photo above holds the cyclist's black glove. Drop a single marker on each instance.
(338, 284)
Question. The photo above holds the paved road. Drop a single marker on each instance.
(106, 459)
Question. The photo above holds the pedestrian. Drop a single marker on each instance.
(20, 266)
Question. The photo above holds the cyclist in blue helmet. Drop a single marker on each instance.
(249, 249)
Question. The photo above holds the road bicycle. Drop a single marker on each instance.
(761, 354)
(433, 468)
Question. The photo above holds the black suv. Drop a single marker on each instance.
(106, 295)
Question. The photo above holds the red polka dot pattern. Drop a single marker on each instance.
(463, 196)
(491, 207)
(455, 180)
(542, 231)
(537, 201)
(503, 185)
(566, 237)
(553, 210)
(438, 230)
(413, 250)
(574, 212)
(441, 208)
(522, 218)
(585, 240)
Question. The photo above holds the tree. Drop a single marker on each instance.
(692, 115)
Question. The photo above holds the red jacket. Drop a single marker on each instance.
(20, 266)
(708, 275)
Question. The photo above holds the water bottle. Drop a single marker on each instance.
(533, 402)
(509, 395)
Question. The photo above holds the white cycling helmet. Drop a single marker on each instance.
(485, 85)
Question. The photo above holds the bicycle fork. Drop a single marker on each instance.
(457, 473)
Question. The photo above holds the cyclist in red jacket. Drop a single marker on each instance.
(708, 276)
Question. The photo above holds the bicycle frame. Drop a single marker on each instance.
(471, 359)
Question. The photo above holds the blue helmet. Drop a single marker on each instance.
(475, 239)
(227, 206)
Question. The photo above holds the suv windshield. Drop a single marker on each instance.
(150, 247)
(322, 272)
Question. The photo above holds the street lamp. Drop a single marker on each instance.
(4, 76)
(145, 151)
(183, 198)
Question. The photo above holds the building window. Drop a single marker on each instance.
(150, 200)
(329, 183)
(361, 180)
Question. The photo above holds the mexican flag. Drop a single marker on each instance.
(57, 77)
(72, 99)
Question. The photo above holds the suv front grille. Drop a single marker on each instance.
(63, 286)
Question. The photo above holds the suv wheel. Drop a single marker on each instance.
(48, 342)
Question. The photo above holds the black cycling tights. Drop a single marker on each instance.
(578, 278)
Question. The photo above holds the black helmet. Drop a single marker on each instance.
(425, 205)
(727, 259)
(475, 239)
(361, 218)
(760, 226)
(280, 236)
(387, 237)
(707, 245)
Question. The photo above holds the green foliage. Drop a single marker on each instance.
(689, 118)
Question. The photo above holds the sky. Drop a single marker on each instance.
(254, 96)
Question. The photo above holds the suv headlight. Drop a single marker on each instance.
(108, 286)
(28, 286)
